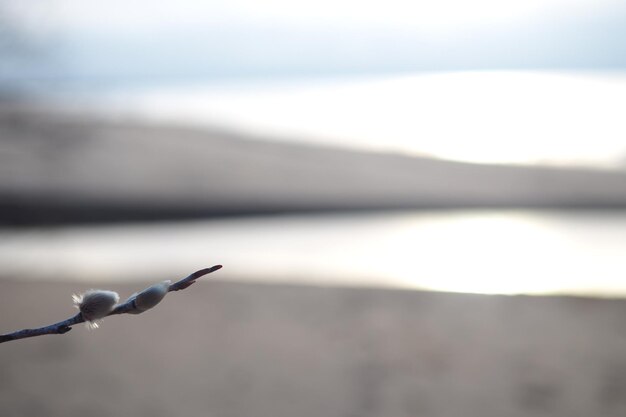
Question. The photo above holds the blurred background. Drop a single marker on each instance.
(419, 206)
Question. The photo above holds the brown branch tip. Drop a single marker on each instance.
(95, 305)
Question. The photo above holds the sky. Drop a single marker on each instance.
(192, 39)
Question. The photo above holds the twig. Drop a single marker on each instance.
(129, 306)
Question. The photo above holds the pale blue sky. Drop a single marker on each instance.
(144, 41)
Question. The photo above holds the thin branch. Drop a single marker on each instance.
(185, 282)
(126, 307)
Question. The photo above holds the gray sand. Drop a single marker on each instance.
(234, 349)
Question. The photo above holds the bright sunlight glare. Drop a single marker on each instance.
(483, 117)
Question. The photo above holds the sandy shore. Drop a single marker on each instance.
(234, 349)
(62, 169)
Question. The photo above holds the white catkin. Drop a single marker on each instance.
(95, 305)
(151, 296)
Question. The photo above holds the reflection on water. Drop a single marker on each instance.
(483, 252)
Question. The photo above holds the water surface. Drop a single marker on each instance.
(508, 252)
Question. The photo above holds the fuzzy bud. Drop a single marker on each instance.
(150, 297)
(94, 305)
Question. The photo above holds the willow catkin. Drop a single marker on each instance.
(150, 297)
(95, 305)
